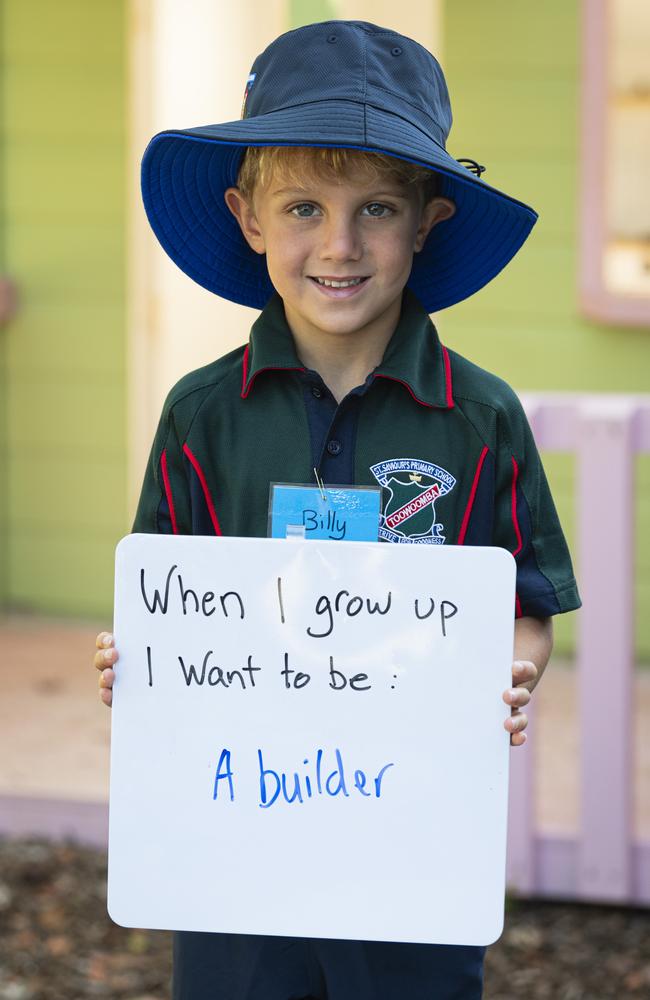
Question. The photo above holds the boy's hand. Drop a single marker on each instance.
(105, 658)
(523, 671)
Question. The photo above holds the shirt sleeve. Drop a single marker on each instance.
(526, 521)
(164, 505)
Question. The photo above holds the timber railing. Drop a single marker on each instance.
(603, 860)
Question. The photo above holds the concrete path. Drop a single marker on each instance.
(55, 736)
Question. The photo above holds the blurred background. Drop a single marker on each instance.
(96, 324)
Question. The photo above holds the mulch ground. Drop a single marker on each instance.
(57, 942)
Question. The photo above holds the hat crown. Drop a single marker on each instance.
(352, 61)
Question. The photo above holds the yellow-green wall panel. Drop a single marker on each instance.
(4, 540)
(71, 413)
(308, 11)
(48, 492)
(523, 36)
(78, 173)
(81, 262)
(74, 102)
(67, 32)
(63, 161)
(59, 574)
(74, 328)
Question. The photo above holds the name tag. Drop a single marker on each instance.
(339, 513)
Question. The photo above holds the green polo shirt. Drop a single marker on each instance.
(447, 441)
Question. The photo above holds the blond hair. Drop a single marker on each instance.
(298, 164)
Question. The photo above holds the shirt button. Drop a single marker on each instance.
(316, 392)
(334, 447)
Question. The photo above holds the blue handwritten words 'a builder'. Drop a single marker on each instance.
(315, 780)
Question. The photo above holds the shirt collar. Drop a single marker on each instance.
(271, 346)
(414, 357)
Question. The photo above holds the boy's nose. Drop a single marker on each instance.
(341, 240)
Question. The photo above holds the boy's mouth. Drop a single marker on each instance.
(340, 287)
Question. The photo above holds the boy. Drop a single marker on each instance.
(333, 206)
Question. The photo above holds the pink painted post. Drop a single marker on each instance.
(523, 873)
(606, 646)
(522, 866)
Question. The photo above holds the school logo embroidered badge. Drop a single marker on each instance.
(409, 513)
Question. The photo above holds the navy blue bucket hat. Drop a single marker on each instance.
(339, 84)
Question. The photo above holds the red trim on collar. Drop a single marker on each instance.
(515, 522)
(168, 490)
(406, 386)
(449, 399)
(472, 497)
(448, 387)
(245, 389)
(204, 486)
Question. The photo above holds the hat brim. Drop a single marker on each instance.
(185, 174)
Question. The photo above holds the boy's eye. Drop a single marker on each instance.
(305, 210)
(377, 210)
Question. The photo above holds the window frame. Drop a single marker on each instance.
(597, 301)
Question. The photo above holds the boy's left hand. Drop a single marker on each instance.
(523, 671)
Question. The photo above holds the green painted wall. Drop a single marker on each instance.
(513, 74)
(308, 11)
(3, 346)
(62, 80)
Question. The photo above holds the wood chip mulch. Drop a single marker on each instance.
(58, 943)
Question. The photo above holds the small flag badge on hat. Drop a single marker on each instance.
(249, 86)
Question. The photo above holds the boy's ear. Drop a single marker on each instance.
(435, 211)
(245, 215)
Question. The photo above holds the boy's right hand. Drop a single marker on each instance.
(105, 659)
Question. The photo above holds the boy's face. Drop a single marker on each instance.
(358, 230)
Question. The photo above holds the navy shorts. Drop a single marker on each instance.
(251, 967)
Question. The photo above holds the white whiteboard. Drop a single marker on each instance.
(402, 770)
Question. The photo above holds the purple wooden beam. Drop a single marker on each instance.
(54, 819)
(605, 522)
(522, 866)
(558, 859)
